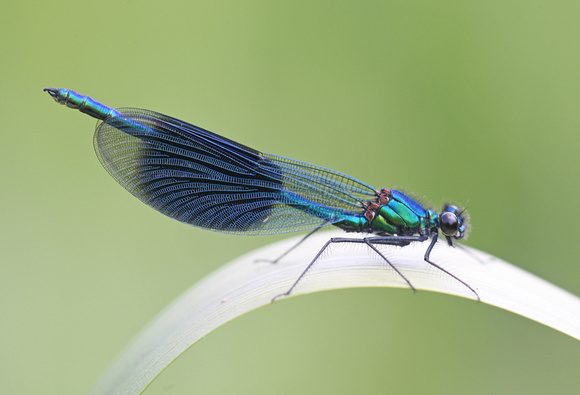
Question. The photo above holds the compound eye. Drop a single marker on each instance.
(449, 224)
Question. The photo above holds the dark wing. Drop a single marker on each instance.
(200, 178)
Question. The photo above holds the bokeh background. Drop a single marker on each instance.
(452, 100)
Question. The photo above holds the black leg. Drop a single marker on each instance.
(390, 264)
(400, 241)
(305, 270)
(291, 248)
(390, 240)
(427, 256)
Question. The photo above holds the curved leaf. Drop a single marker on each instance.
(244, 285)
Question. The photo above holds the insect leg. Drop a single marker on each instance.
(394, 240)
(427, 259)
(307, 267)
(291, 248)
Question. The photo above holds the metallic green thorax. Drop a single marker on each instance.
(394, 213)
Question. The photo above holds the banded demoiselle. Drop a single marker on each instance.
(206, 180)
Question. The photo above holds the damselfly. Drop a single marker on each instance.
(206, 180)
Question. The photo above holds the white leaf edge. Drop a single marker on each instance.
(245, 285)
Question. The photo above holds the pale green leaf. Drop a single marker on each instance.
(244, 285)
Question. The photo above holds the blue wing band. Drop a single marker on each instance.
(200, 178)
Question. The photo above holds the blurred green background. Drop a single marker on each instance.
(453, 100)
